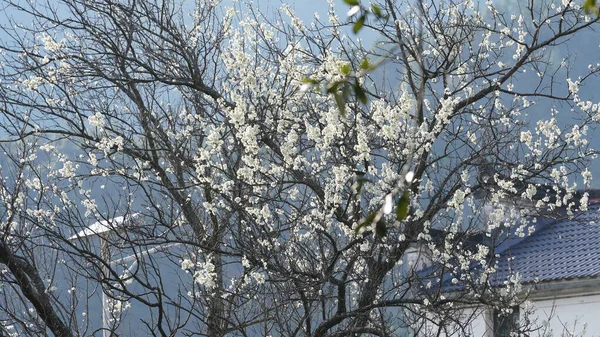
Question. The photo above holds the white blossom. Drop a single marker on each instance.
(587, 177)
(97, 120)
(67, 170)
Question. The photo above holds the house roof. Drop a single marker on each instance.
(104, 226)
(557, 250)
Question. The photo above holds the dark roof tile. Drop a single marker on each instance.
(558, 249)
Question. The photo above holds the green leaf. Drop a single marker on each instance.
(309, 80)
(345, 69)
(358, 24)
(352, 2)
(402, 207)
(340, 102)
(333, 87)
(590, 7)
(360, 93)
(368, 220)
(376, 10)
(360, 181)
(346, 91)
(364, 64)
(380, 228)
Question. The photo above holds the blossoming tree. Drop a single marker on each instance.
(282, 214)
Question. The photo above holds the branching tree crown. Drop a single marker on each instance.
(265, 206)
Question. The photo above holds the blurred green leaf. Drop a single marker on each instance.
(358, 24)
(345, 69)
(309, 80)
(376, 10)
(360, 93)
(352, 2)
(368, 220)
(380, 228)
(360, 181)
(402, 207)
(333, 87)
(340, 102)
(346, 91)
(590, 7)
(364, 64)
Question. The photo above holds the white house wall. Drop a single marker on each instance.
(570, 316)
(560, 317)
